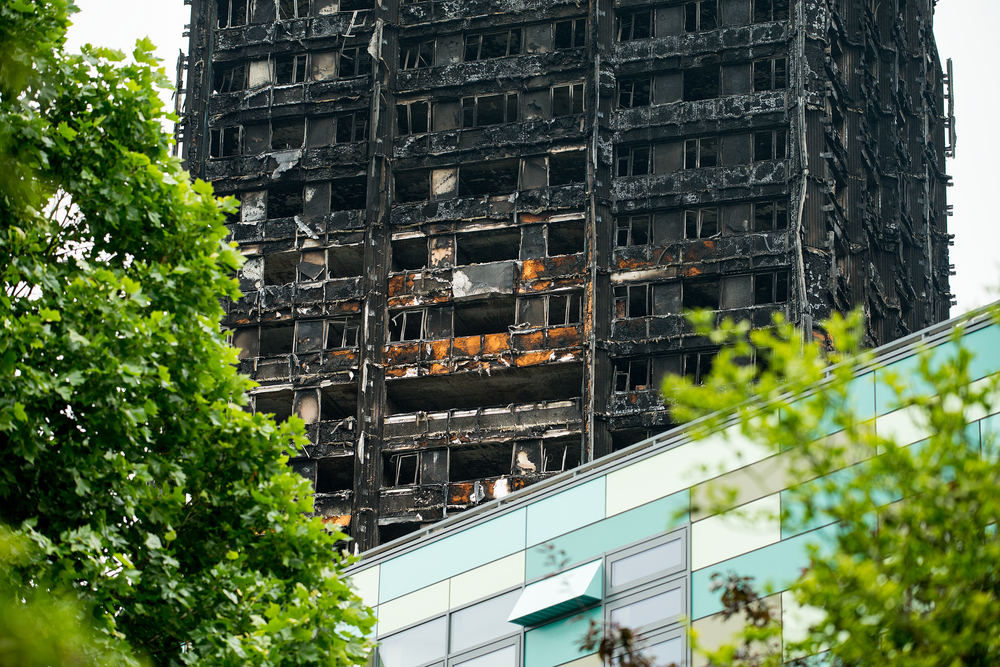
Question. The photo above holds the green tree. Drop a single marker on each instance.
(910, 575)
(125, 456)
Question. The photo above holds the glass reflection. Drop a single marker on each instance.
(650, 610)
(645, 563)
(483, 622)
(415, 646)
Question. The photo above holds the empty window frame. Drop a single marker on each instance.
(279, 268)
(567, 100)
(413, 118)
(352, 61)
(633, 301)
(770, 216)
(481, 110)
(770, 145)
(570, 34)
(633, 230)
(634, 161)
(701, 153)
(351, 127)
(701, 83)
(488, 178)
(289, 70)
(771, 287)
(292, 9)
(563, 310)
(565, 238)
(407, 325)
(634, 92)
(232, 13)
(224, 141)
(770, 74)
(287, 133)
(493, 45)
(493, 245)
(404, 468)
(636, 25)
(701, 294)
(284, 201)
(701, 223)
(348, 194)
(635, 375)
(419, 54)
(355, 5)
(701, 15)
(567, 167)
(697, 365)
(229, 78)
(770, 10)
(343, 332)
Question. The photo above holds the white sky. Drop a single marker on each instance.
(966, 32)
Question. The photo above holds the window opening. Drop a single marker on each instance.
(634, 93)
(698, 365)
(770, 10)
(571, 34)
(409, 254)
(632, 230)
(565, 238)
(232, 13)
(567, 100)
(335, 473)
(564, 309)
(701, 83)
(417, 55)
(352, 62)
(487, 178)
(493, 245)
(701, 15)
(634, 160)
(701, 223)
(348, 194)
(656, 608)
(413, 118)
(567, 167)
(468, 463)
(770, 145)
(346, 261)
(636, 25)
(632, 301)
(489, 316)
(489, 110)
(279, 268)
(770, 288)
(292, 9)
(407, 325)
(770, 74)
(284, 201)
(287, 133)
(230, 79)
(493, 45)
(770, 216)
(702, 294)
(412, 185)
(278, 403)
(343, 332)
(224, 141)
(289, 69)
(276, 340)
(701, 153)
(352, 127)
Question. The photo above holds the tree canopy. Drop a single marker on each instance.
(125, 455)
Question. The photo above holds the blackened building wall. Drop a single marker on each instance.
(471, 227)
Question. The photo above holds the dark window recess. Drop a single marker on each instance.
(489, 110)
(232, 13)
(567, 100)
(343, 332)
(487, 178)
(701, 153)
(770, 74)
(224, 141)
(770, 216)
(564, 309)
(292, 9)
(277, 403)
(284, 201)
(276, 340)
(494, 245)
(335, 474)
(234, 217)
(409, 254)
(229, 78)
(701, 83)
(287, 133)
(490, 316)
(701, 294)
(352, 127)
(346, 261)
(568, 167)
(633, 375)
(412, 56)
(289, 69)
(571, 34)
(468, 463)
(353, 62)
(633, 161)
(565, 238)
(633, 230)
(493, 45)
(356, 5)
(634, 93)
(770, 10)
(632, 301)
(701, 15)
(636, 25)
(698, 365)
(770, 288)
(701, 223)
(406, 325)
(279, 268)
(348, 194)
(770, 145)
(412, 185)
(338, 402)
(413, 118)
(402, 469)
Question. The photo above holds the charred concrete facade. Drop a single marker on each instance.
(471, 227)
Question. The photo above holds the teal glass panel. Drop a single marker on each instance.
(645, 521)
(415, 646)
(483, 622)
(558, 642)
(985, 346)
(566, 511)
(793, 520)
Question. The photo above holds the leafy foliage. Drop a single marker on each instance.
(125, 455)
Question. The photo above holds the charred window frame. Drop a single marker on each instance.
(697, 365)
(770, 74)
(232, 13)
(633, 301)
(770, 216)
(413, 117)
(406, 467)
(290, 70)
(701, 15)
(483, 46)
(567, 100)
(355, 5)
(348, 194)
(352, 62)
(633, 230)
(701, 223)
(225, 141)
(770, 10)
(229, 79)
(702, 83)
(634, 93)
(701, 294)
(407, 325)
(771, 287)
(288, 133)
(292, 9)
(701, 153)
(643, 374)
(284, 201)
(482, 110)
(351, 127)
(570, 34)
(563, 310)
(639, 24)
(343, 332)
(417, 55)
(634, 161)
(770, 145)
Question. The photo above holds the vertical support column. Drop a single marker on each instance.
(372, 395)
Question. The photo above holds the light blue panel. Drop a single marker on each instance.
(794, 520)
(908, 369)
(861, 403)
(985, 346)
(452, 555)
(774, 568)
(566, 511)
(583, 544)
(558, 642)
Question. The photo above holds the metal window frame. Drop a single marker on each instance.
(774, 134)
(346, 319)
(659, 586)
(221, 133)
(630, 237)
(416, 50)
(669, 573)
(698, 20)
(479, 47)
(298, 14)
(514, 640)
(273, 64)
(506, 95)
(574, 32)
(700, 220)
(406, 314)
(572, 97)
(631, 15)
